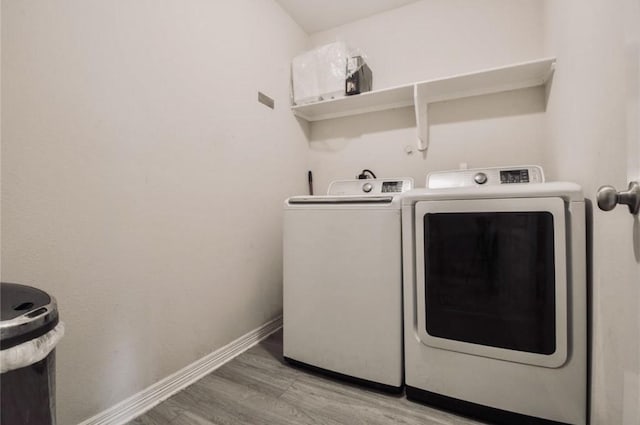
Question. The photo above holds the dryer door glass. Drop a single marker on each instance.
(490, 279)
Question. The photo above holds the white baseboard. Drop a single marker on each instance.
(146, 399)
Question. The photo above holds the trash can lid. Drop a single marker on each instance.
(26, 314)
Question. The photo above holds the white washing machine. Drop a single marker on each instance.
(495, 319)
(343, 282)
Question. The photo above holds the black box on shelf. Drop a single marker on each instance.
(359, 76)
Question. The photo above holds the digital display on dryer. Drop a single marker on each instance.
(388, 187)
(514, 176)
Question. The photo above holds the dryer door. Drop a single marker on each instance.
(492, 278)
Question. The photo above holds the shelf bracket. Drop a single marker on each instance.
(422, 123)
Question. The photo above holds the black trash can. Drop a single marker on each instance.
(29, 332)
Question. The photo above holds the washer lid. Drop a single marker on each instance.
(340, 200)
(27, 313)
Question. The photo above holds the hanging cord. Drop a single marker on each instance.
(363, 175)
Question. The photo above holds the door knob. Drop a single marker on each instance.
(608, 198)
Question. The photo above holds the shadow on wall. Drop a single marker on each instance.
(305, 126)
(334, 135)
(356, 126)
(497, 105)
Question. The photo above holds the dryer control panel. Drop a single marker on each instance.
(370, 186)
(485, 177)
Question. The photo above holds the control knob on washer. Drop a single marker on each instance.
(480, 178)
(367, 187)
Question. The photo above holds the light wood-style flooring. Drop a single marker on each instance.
(258, 388)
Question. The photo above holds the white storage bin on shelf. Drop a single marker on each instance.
(494, 80)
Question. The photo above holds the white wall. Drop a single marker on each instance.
(142, 183)
(430, 39)
(594, 139)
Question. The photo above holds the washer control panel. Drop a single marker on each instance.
(514, 176)
(370, 186)
(485, 176)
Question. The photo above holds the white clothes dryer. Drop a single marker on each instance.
(343, 282)
(495, 297)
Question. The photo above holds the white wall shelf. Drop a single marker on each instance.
(421, 94)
